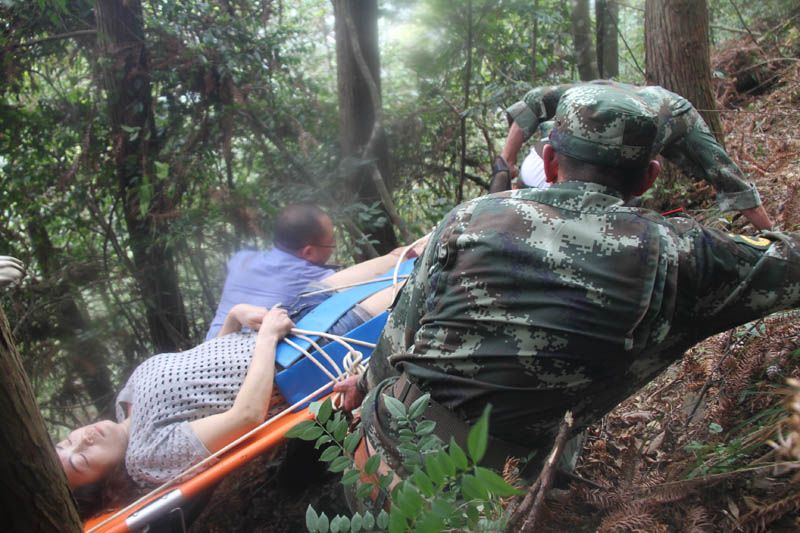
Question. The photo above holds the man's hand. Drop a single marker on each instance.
(352, 396)
(758, 217)
(501, 176)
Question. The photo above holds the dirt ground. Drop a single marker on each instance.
(711, 445)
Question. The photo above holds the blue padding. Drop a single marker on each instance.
(304, 377)
(325, 315)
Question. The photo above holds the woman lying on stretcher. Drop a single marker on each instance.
(178, 408)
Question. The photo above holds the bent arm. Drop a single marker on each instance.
(251, 404)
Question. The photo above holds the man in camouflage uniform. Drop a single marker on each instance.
(684, 139)
(542, 301)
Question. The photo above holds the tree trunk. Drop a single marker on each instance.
(466, 89)
(126, 79)
(88, 357)
(582, 40)
(606, 16)
(677, 54)
(35, 495)
(356, 112)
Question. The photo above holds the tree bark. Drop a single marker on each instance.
(35, 495)
(677, 54)
(582, 40)
(606, 16)
(466, 90)
(126, 80)
(356, 111)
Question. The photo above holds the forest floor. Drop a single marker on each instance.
(711, 445)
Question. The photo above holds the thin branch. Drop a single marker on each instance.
(68, 35)
(531, 506)
(627, 47)
(744, 25)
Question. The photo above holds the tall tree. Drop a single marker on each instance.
(606, 16)
(126, 80)
(585, 57)
(677, 54)
(361, 134)
(35, 496)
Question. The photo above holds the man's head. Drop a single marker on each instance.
(306, 231)
(603, 134)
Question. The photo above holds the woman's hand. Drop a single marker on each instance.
(275, 324)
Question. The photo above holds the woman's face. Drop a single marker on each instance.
(90, 452)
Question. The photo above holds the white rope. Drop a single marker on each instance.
(395, 274)
(331, 336)
(349, 285)
(321, 352)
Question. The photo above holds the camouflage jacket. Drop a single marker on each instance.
(538, 301)
(684, 138)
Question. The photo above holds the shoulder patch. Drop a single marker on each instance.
(756, 242)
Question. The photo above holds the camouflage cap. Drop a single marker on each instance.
(605, 125)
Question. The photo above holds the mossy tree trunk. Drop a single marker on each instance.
(35, 496)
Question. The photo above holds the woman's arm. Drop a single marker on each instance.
(373, 268)
(252, 402)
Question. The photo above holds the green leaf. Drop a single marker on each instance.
(372, 464)
(299, 429)
(423, 483)
(457, 455)
(323, 439)
(472, 489)
(162, 170)
(350, 477)
(383, 519)
(434, 469)
(429, 523)
(411, 500)
(495, 483)
(397, 522)
(335, 524)
(418, 406)
(311, 433)
(364, 491)
(311, 519)
(442, 508)
(426, 427)
(356, 523)
(340, 429)
(344, 524)
(385, 480)
(325, 410)
(369, 520)
(713, 427)
(395, 407)
(339, 464)
(323, 523)
(478, 437)
(351, 442)
(473, 514)
(330, 453)
(447, 464)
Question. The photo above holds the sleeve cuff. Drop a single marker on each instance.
(738, 201)
(524, 118)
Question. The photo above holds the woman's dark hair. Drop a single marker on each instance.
(111, 492)
(299, 225)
